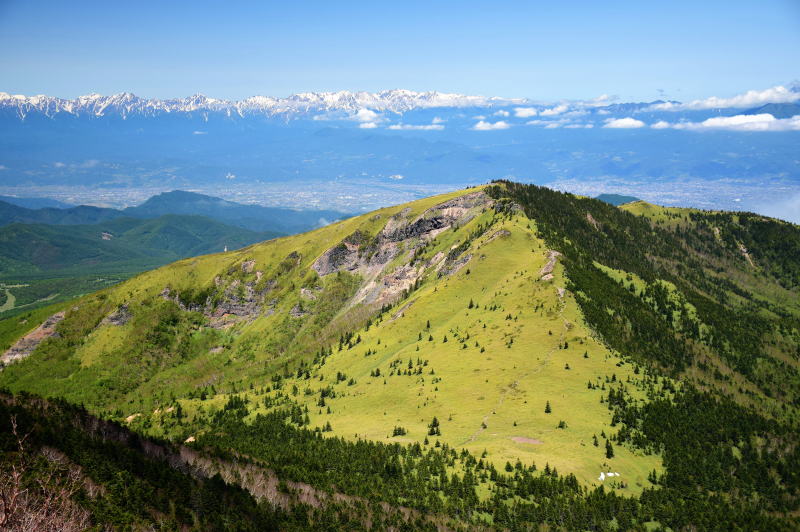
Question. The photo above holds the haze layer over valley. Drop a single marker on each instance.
(356, 151)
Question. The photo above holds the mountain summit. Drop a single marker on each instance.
(503, 356)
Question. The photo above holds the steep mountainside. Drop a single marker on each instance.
(506, 355)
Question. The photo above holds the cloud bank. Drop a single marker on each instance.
(752, 98)
(759, 122)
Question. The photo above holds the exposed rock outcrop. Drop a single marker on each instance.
(546, 273)
(28, 343)
(454, 266)
(342, 256)
(368, 256)
(502, 233)
(309, 295)
(119, 317)
(420, 227)
(297, 311)
(238, 299)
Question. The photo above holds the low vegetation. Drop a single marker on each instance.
(506, 356)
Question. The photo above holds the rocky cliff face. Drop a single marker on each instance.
(26, 345)
(377, 259)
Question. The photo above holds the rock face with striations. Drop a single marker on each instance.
(25, 345)
(119, 317)
(369, 256)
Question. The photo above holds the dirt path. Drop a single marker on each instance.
(746, 254)
(513, 386)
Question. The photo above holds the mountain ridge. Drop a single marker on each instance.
(252, 217)
(501, 345)
(125, 104)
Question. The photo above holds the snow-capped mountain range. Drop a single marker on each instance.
(126, 104)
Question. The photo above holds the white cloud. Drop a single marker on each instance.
(230, 175)
(3, 167)
(367, 125)
(603, 99)
(752, 98)
(553, 125)
(623, 123)
(759, 122)
(525, 112)
(437, 120)
(199, 132)
(366, 115)
(553, 111)
(579, 126)
(661, 124)
(488, 126)
(59, 164)
(396, 176)
(418, 127)
(503, 113)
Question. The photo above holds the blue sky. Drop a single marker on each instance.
(637, 50)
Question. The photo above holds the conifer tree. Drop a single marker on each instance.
(609, 449)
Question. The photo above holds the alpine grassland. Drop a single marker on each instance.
(505, 356)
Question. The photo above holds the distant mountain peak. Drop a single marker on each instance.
(126, 103)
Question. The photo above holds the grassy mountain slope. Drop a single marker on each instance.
(451, 326)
